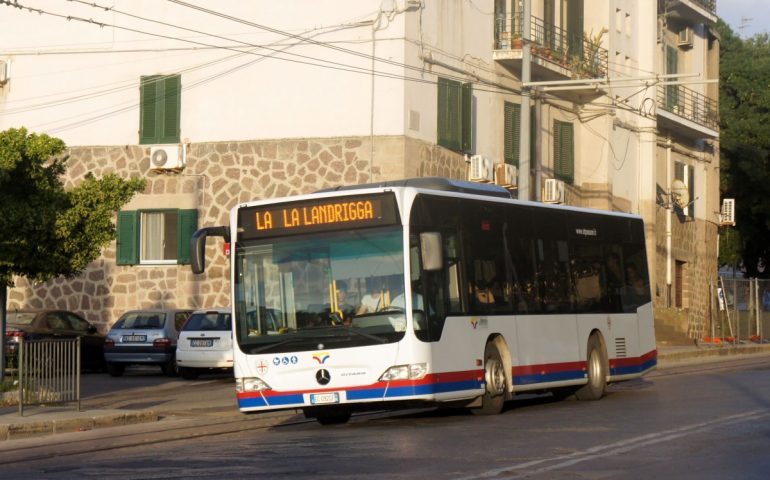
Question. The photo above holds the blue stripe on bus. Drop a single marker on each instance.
(632, 369)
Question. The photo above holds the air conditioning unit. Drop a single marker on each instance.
(481, 169)
(685, 37)
(506, 175)
(727, 215)
(553, 191)
(167, 157)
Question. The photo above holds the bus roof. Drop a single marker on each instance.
(432, 183)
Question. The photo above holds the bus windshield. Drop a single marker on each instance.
(323, 291)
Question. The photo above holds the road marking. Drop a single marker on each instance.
(623, 446)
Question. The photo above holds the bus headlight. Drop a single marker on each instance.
(415, 371)
(251, 385)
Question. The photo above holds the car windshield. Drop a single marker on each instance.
(208, 321)
(141, 320)
(291, 291)
(21, 318)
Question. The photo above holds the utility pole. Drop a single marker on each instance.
(526, 77)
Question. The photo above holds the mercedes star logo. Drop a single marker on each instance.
(323, 377)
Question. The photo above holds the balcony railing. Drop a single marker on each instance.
(576, 52)
(710, 5)
(689, 104)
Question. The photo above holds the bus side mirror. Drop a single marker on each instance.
(198, 245)
(432, 254)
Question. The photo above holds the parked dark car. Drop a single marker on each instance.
(144, 337)
(42, 324)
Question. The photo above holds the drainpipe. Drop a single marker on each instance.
(669, 213)
(526, 76)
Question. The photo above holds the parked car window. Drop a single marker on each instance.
(21, 318)
(209, 321)
(77, 323)
(58, 322)
(143, 320)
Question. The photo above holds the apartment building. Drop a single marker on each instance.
(560, 100)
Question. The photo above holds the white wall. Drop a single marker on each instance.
(90, 95)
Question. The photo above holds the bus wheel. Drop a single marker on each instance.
(597, 371)
(494, 375)
(328, 416)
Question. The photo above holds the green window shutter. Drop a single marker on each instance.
(466, 118)
(148, 109)
(511, 132)
(187, 225)
(564, 151)
(449, 122)
(672, 91)
(172, 104)
(691, 190)
(575, 9)
(128, 238)
(160, 108)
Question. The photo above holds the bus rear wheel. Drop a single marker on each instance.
(496, 382)
(596, 371)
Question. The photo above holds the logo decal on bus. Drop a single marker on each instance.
(474, 322)
(262, 367)
(321, 357)
(285, 360)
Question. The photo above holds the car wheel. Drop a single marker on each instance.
(188, 373)
(169, 368)
(115, 369)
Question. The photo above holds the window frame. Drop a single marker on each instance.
(130, 239)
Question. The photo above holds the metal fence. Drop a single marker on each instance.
(49, 372)
(740, 311)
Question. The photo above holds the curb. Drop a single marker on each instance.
(708, 353)
(16, 431)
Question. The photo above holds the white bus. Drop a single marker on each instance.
(504, 296)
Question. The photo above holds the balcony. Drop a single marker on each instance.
(556, 53)
(687, 111)
(696, 11)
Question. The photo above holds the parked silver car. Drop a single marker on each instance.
(205, 343)
(146, 337)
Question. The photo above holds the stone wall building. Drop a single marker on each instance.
(273, 100)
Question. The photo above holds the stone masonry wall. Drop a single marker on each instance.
(220, 175)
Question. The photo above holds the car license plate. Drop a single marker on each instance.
(134, 338)
(324, 398)
(201, 342)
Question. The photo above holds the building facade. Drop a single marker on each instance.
(258, 100)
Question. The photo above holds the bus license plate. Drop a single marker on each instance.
(201, 342)
(324, 398)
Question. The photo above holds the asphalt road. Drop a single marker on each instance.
(703, 421)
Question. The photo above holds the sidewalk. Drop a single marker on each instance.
(178, 399)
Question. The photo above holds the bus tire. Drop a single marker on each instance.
(496, 382)
(328, 416)
(596, 370)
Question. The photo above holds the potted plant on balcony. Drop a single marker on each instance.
(589, 63)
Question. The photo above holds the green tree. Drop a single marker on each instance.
(745, 142)
(47, 231)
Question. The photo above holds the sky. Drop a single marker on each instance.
(753, 15)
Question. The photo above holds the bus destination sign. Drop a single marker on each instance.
(318, 215)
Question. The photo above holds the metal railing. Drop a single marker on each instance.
(741, 311)
(689, 104)
(49, 372)
(710, 5)
(574, 51)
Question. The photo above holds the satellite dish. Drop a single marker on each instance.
(159, 158)
(680, 193)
